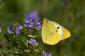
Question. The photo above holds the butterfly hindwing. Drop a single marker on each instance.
(49, 34)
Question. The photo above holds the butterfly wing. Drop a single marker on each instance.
(49, 33)
(66, 33)
(63, 32)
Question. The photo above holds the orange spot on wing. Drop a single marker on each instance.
(46, 25)
(56, 30)
(52, 33)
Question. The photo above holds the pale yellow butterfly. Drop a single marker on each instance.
(52, 32)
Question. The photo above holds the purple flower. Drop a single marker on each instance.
(18, 28)
(10, 29)
(33, 15)
(32, 41)
(32, 20)
(65, 2)
(46, 54)
(38, 26)
(0, 29)
(17, 31)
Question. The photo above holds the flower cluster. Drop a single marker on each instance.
(10, 29)
(33, 42)
(18, 28)
(46, 54)
(32, 20)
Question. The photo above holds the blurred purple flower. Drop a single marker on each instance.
(65, 2)
(18, 28)
(10, 29)
(32, 41)
(0, 29)
(32, 20)
(46, 54)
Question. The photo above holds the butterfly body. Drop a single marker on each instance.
(52, 32)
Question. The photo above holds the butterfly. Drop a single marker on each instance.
(53, 33)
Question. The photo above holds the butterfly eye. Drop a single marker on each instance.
(58, 27)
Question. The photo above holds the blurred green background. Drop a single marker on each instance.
(69, 13)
